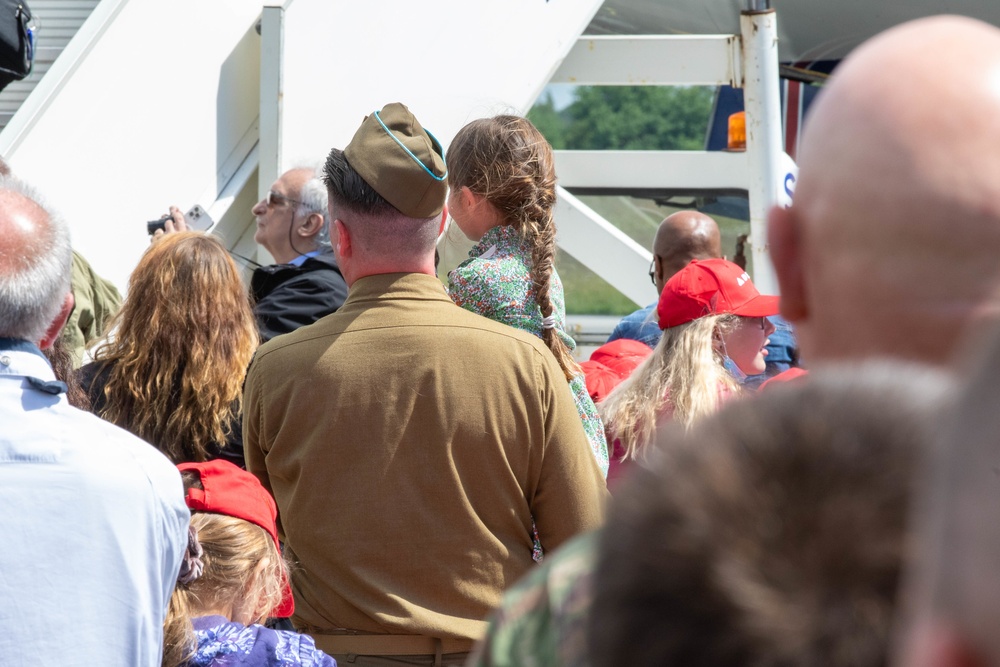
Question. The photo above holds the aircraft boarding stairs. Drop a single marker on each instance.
(155, 103)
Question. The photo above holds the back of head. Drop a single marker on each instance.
(35, 259)
(185, 335)
(233, 565)
(896, 216)
(388, 186)
(241, 570)
(233, 550)
(684, 236)
(506, 161)
(378, 229)
(771, 534)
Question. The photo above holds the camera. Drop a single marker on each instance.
(154, 225)
(197, 219)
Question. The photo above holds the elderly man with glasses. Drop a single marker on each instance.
(305, 283)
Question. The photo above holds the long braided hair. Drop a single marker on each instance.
(507, 161)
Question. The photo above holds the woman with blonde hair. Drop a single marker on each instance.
(715, 328)
(232, 578)
(171, 371)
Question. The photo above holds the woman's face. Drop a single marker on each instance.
(745, 342)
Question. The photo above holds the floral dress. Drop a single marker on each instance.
(495, 282)
(223, 643)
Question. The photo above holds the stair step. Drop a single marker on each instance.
(58, 21)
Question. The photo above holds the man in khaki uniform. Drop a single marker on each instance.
(410, 443)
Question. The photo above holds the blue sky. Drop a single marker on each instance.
(562, 94)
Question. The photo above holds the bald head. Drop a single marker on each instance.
(34, 264)
(681, 237)
(890, 247)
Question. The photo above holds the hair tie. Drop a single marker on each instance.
(192, 565)
(549, 322)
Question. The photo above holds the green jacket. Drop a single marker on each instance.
(97, 301)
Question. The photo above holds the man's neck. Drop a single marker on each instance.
(290, 255)
(372, 270)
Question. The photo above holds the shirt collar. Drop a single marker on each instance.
(19, 358)
(301, 259)
(503, 238)
(19, 345)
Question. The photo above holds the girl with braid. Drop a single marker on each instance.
(503, 189)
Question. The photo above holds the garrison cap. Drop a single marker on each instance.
(401, 160)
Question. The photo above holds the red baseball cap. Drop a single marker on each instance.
(230, 490)
(600, 379)
(621, 355)
(610, 364)
(711, 287)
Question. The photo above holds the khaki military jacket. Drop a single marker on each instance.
(409, 443)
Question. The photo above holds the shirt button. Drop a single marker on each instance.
(5, 360)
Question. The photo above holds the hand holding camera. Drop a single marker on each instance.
(195, 219)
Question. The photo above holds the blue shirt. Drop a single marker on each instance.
(643, 325)
(301, 259)
(94, 526)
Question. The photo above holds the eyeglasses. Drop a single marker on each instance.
(762, 321)
(273, 199)
(652, 271)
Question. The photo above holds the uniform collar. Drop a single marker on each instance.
(397, 286)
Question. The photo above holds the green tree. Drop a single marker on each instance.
(549, 121)
(638, 118)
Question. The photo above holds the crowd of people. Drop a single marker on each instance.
(356, 461)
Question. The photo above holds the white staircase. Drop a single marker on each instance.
(154, 103)
(58, 22)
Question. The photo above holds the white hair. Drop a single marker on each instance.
(32, 289)
(314, 199)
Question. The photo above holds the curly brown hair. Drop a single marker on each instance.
(180, 347)
(507, 161)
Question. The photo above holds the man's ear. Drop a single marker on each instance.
(785, 243)
(342, 239)
(58, 323)
(311, 226)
